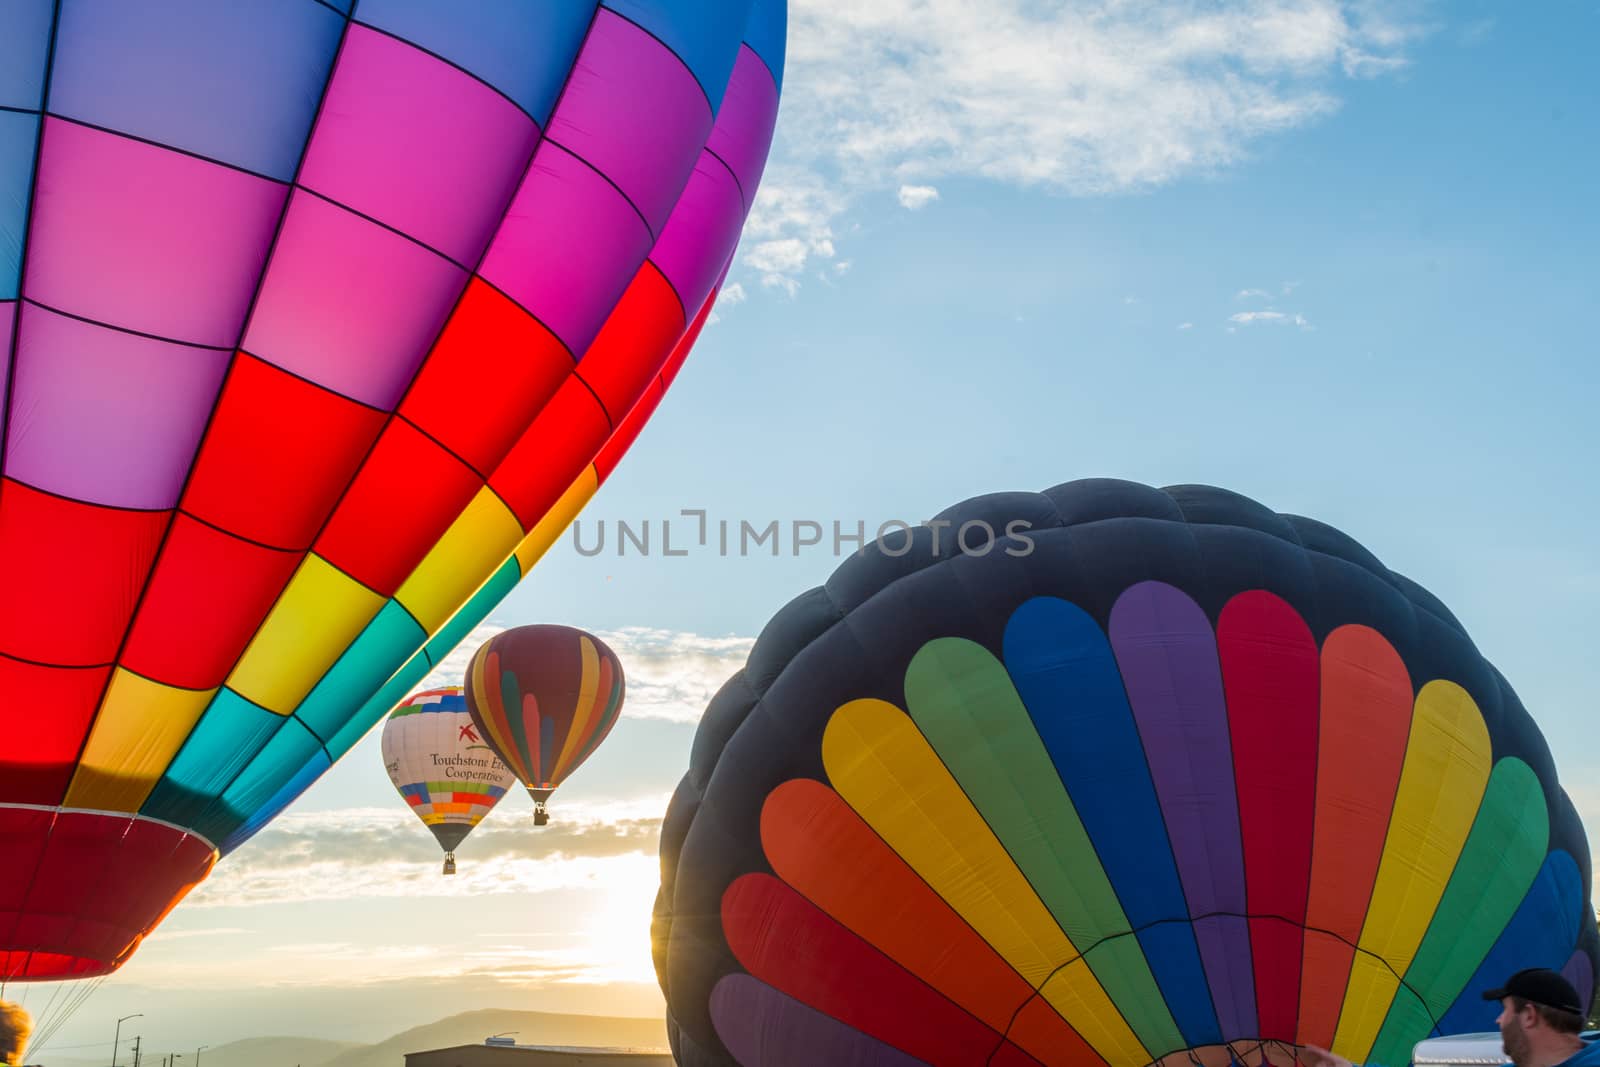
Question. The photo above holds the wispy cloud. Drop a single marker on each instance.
(1246, 318)
(792, 221)
(1185, 325)
(1249, 294)
(730, 295)
(917, 197)
(370, 853)
(1088, 98)
(210, 931)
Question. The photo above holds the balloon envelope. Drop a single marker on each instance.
(318, 322)
(1162, 773)
(441, 766)
(545, 697)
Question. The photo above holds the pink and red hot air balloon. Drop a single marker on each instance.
(318, 322)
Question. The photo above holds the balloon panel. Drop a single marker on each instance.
(544, 697)
(1168, 774)
(322, 324)
(441, 766)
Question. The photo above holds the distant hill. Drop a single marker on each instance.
(251, 1052)
(470, 1028)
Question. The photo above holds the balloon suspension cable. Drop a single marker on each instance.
(1238, 1060)
(449, 863)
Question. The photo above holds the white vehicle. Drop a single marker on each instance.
(1460, 1050)
(1468, 1050)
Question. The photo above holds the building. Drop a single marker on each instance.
(504, 1054)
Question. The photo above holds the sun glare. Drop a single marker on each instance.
(617, 936)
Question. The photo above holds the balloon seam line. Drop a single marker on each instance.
(771, 73)
(604, 5)
(41, 305)
(626, 199)
(55, 666)
(390, 228)
(744, 201)
(447, 61)
(177, 150)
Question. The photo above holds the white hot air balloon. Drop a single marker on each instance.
(442, 767)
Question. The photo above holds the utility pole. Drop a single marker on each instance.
(136, 1052)
(116, 1038)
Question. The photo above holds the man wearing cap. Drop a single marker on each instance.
(1540, 1023)
(1540, 1020)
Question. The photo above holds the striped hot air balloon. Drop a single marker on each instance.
(441, 766)
(1162, 776)
(544, 697)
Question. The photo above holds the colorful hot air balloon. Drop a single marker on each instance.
(318, 322)
(1161, 774)
(441, 766)
(544, 697)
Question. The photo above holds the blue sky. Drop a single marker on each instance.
(1339, 258)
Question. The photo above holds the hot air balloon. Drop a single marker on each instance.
(441, 766)
(544, 697)
(319, 321)
(1111, 775)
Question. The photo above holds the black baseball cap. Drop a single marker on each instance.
(1538, 985)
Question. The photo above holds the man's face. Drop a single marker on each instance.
(1513, 1032)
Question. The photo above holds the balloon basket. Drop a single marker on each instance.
(449, 863)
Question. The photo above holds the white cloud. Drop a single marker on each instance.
(209, 931)
(1185, 325)
(1246, 318)
(1086, 98)
(917, 197)
(672, 675)
(453, 668)
(386, 852)
(728, 296)
(781, 256)
(791, 221)
(1247, 294)
(669, 675)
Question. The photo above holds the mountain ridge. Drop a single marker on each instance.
(563, 1029)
